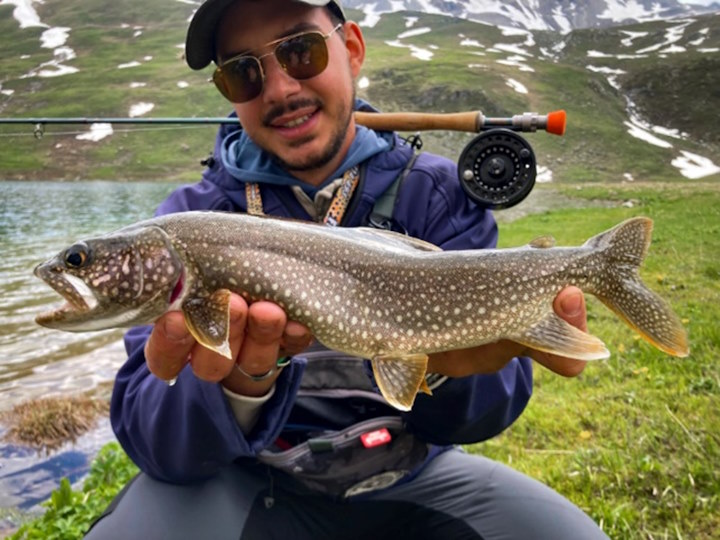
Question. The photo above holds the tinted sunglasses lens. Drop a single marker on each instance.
(303, 56)
(239, 80)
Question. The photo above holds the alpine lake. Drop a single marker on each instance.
(37, 220)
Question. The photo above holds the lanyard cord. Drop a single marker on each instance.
(338, 205)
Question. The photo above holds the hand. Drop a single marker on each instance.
(569, 305)
(259, 334)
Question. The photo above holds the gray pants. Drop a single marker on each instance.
(457, 496)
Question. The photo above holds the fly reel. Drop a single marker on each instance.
(497, 169)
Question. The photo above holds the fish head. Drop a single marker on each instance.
(122, 279)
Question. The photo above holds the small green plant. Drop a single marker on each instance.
(70, 512)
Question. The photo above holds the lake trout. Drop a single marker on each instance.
(365, 292)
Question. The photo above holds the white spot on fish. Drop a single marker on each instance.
(102, 279)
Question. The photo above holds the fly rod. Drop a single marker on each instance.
(473, 122)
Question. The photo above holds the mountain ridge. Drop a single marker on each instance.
(539, 14)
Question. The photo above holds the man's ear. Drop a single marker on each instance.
(355, 45)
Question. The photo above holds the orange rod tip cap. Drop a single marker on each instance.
(556, 122)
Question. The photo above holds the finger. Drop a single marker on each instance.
(569, 304)
(266, 323)
(211, 366)
(168, 347)
(295, 339)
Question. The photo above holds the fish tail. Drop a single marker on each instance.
(622, 250)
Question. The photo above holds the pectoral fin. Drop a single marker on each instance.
(208, 320)
(555, 336)
(400, 377)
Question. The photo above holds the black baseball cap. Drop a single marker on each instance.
(200, 41)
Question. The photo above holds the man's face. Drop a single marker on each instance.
(305, 124)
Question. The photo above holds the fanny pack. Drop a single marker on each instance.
(367, 456)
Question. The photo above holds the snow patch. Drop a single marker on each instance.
(519, 87)
(53, 38)
(417, 52)
(640, 133)
(631, 36)
(24, 13)
(606, 70)
(138, 85)
(516, 61)
(410, 21)
(363, 83)
(372, 17)
(544, 175)
(98, 132)
(672, 35)
(6, 92)
(415, 32)
(511, 48)
(141, 108)
(693, 166)
(182, 84)
(467, 42)
(127, 65)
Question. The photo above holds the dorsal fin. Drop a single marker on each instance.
(399, 240)
(542, 242)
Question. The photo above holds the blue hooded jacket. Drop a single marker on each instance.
(187, 432)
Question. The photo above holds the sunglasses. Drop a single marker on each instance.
(302, 56)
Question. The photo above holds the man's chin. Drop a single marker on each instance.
(303, 158)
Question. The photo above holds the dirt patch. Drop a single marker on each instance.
(546, 198)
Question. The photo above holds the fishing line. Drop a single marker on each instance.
(126, 130)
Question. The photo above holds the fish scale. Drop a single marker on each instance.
(368, 293)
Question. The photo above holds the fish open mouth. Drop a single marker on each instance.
(79, 298)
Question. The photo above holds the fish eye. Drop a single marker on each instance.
(76, 256)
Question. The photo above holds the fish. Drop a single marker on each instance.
(374, 294)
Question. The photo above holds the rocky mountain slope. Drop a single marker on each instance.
(542, 14)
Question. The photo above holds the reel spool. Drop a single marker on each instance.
(497, 169)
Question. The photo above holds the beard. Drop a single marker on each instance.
(342, 115)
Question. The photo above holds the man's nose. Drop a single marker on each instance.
(278, 83)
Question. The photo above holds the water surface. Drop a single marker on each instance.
(38, 219)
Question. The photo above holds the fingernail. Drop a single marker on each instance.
(175, 329)
(572, 304)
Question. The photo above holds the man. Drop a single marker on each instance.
(292, 440)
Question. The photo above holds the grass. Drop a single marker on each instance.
(634, 440)
(70, 512)
(47, 423)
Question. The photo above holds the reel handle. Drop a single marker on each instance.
(473, 122)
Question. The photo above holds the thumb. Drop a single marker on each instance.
(569, 305)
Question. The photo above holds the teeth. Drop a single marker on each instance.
(297, 121)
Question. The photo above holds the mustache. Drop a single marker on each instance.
(279, 110)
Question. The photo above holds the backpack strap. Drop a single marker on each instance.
(381, 216)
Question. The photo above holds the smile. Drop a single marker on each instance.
(297, 121)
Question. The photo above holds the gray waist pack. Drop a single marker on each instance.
(367, 456)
